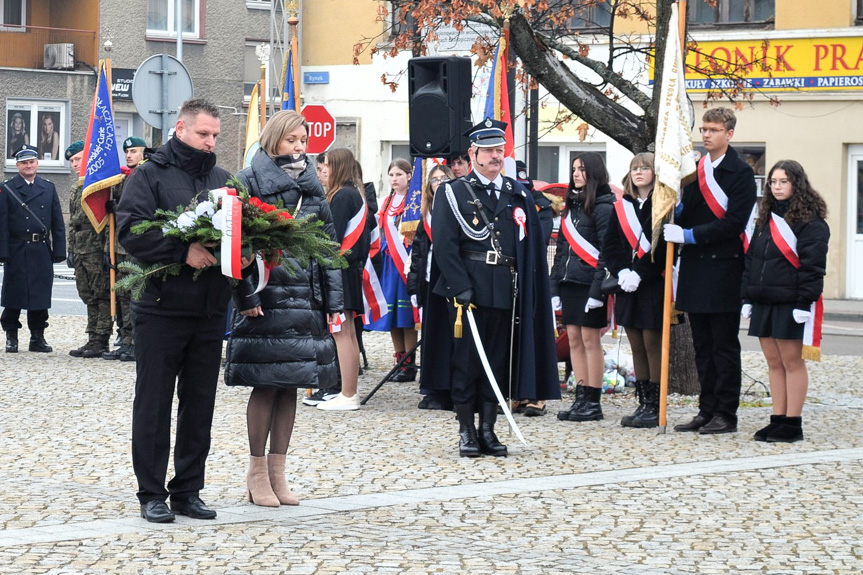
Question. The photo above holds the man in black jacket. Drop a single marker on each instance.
(714, 211)
(488, 247)
(178, 323)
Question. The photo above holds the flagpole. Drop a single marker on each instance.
(262, 95)
(669, 269)
(112, 269)
(293, 21)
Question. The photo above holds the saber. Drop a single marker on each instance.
(503, 403)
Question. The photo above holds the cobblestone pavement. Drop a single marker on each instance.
(384, 491)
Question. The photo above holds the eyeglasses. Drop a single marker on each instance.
(438, 181)
(641, 169)
(776, 183)
(711, 131)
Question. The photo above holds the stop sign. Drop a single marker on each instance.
(322, 128)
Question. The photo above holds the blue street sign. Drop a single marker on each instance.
(316, 77)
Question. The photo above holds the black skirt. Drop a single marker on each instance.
(641, 309)
(352, 285)
(774, 320)
(573, 297)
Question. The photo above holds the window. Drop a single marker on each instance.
(162, 13)
(732, 12)
(397, 13)
(252, 72)
(592, 15)
(13, 12)
(39, 123)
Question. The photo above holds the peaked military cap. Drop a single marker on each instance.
(487, 134)
(26, 152)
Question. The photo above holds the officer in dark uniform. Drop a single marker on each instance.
(489, 249)
(32, 237)
(85, 247)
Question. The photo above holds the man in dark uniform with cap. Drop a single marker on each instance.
(85, 247)
(32, 238)
(490, 253)
(136, 150)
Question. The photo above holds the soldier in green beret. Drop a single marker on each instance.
(85, 247)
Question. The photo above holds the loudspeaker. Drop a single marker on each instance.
(439, 91)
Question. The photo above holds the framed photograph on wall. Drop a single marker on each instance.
(40, 123)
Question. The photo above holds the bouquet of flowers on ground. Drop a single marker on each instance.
(236, 225)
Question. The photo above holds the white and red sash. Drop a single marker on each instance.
(395, 241)
(232, 234)
(375, 239)
(628, 218)
(749, 230)
(427, 225)
(784, 238)
(582, 248)
(716, 198)
(374, 302)
(355, 228)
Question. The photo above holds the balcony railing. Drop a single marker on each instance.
(23, 46)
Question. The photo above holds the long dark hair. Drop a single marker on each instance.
(805, 204)
(342, 172)
(596, 176)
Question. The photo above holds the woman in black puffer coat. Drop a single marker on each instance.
(576, 281)
(780, 283)
(280, 339)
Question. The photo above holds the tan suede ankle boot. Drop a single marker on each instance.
(276, 467)
(258, 483)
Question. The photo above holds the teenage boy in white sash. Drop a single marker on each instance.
(714, 211)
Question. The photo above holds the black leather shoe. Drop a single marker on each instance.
(39, 345)
(156, 512)
(11, 342)
(193, 507)
(695, 424)
(719, 424)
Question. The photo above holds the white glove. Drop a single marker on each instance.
(801, 315)
(673, 233)
(746, 311)
(414, 300)
(630, 284)
(592, 303)
(621, 276)
(555, 303)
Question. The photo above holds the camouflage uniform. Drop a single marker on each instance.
(124, 299)
(91, 279)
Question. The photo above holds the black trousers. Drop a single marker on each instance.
(37, 319)
(717, 358)
(469, 381)
(168, 350)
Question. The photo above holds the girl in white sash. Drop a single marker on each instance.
(576, 280)
(782, 283)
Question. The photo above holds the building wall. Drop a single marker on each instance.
(332, 27)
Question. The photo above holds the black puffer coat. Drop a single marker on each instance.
(290, 345)
(568, 267)
(769, 277)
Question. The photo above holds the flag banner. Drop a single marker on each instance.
(253, 128)
(497, 100)
(812, 331)
(288, 82)
(102, 167)
(411, 215)
(675, 162)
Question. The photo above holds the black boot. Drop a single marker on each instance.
(580, 397)
(80, 351)
(407, 372)
(98, 346)
(626, 420)
(788, 431)
(649, 416)
(38, 343)
(468, 442)
(775, 421)
(489, 444)
(12, 341)
(591, 408)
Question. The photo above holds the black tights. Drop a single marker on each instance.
(646, 347)
(270, 412)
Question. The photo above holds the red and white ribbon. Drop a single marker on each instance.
(355, 228)
(336, 326)
(582, 248)
(716, 198)
(232, 234)
(427, 225)
(784, 239)
(749, 230)
(812, 327)
(521, 221)
(395, 241)
(374, 302)
(263, 273)
(631, 227)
